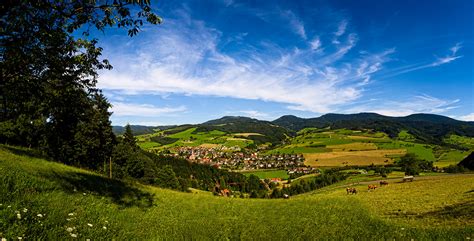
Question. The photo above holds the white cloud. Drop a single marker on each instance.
(341, 28)
(449, 58)
(254, 114)
(143, 110)
(296, 24)
(416, 104)
(468, 117)
(315, 44)
(184, 57)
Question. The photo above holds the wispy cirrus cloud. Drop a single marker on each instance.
(315, 44)
(417, 104)
(143, 110)
(184, 57)
(296, 24)
(452, 56)
(341, 30)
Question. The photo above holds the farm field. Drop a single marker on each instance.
(100, 208)
(188, 137)
(343, 158)
(347, 147)
(451, 157)
(267, 174)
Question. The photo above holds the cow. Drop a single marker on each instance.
(383, 183)
(351, 190)
(371, 187)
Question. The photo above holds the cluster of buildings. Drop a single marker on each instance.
(241, 160)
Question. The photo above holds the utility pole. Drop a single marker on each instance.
(110, 168)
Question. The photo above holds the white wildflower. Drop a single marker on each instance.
(4, 239)
(18, 216)
(70, 214)
(88, 239)
(73, 235)
(69, 229)
(403, 228)
(9, 206)
(106, 221)
(89, 224)
(25, 210)
(39, 215)
(68, 219)
(104, 227)
(84, 194)
(0, 206)
(20, 238)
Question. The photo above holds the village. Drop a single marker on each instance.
(236, 159)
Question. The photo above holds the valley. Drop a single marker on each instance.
(232, 145)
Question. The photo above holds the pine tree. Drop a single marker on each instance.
(128, 137)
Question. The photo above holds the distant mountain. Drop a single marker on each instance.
(429, 128)
(139, 129)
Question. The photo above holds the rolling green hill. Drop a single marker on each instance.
(427, 128)
(46, 200)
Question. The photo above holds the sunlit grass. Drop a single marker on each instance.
(77, 203)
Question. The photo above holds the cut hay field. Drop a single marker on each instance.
(343, 158)
(90, 206)
(356, 146)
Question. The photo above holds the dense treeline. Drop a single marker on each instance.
(327, 178)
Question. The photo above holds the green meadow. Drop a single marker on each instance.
(268, 174)
(46, 200)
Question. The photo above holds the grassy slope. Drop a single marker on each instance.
(132, 211)
(214, 137)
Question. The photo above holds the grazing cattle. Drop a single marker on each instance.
(408, 178)
(383, 183)
(351, 190)
(372, 187)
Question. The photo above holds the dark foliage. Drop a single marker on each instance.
(48, 94)
(164, 140)
(468, 162)
(411, 165)
(325, 179)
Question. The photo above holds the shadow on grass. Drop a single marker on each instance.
(117, 191)
(26, 152)
(464, 210)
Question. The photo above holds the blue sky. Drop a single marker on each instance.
(264, 59)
